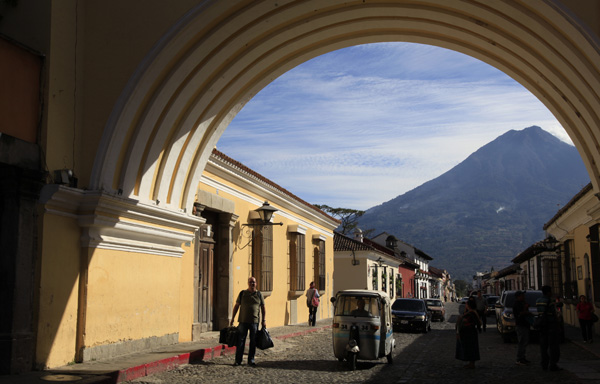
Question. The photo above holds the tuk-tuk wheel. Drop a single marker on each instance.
(390, 358)
(340, 359)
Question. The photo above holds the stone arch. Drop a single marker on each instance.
(221, 53)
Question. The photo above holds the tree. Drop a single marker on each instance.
(348, 217)
(461, 288)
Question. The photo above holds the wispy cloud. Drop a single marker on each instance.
(360, 126)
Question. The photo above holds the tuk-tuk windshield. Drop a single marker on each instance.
(359, 306)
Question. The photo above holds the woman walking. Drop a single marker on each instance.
(467, 338)
(312, 302)
(585, 310)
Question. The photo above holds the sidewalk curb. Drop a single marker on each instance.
(169, 363)
(586, 347)
(192, 357)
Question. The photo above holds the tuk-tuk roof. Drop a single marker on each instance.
(364, 292)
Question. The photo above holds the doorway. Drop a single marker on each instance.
(204, 262)
(212, 267)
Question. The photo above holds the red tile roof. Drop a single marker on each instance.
(571, 202)
(218, 154)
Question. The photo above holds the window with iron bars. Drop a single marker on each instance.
(574, 285)
(595, 258)
(319, 265)
(297, 261)
(569, 269)
(553, 274)
(262, 257)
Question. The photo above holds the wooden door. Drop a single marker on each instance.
(205, 285)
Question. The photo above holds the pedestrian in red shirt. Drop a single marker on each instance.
(585, 310)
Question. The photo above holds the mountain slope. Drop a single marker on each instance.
(488, 208)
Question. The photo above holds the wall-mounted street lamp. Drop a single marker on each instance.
(550, 243)
(265, 212)
(354, 261)
(379, 264)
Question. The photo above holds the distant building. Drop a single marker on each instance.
(358, 264)
(441, 286)
(421, 282)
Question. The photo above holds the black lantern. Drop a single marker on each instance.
(265, 212)
(550, 243)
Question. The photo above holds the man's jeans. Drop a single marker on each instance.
(243, 329)
(549, 347)
(312, 315)
(483, 319)
(523, 338)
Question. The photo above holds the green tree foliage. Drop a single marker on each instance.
(348, 217)
(461, 288)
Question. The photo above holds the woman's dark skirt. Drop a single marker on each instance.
(467, 347)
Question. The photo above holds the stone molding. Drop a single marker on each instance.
(120, 223)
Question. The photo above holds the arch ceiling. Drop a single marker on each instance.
(217, 57)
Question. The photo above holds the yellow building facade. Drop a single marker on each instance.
(284, 257)
(575, 226)
(160, 286)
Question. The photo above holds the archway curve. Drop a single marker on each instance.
(192, 84)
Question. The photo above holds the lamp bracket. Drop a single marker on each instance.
(261, 224)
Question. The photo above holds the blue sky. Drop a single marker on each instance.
(359, 126)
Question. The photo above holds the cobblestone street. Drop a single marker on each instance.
(418, 358)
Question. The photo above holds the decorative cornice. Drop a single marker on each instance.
(120, 223)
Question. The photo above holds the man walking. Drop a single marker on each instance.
(549, 330)
(522, 315)
(250, 301)
(481, 309)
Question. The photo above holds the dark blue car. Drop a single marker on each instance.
(411, 314)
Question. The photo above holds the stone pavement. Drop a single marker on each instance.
(138, 365)
(590, 372)
(418, 359)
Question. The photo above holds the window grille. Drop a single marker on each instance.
(262, 257)
(297, 261)
(595, 256)
(319, 263)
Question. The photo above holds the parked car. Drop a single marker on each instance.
(438, 312)
(505, 320)
(490, 302)
(461, 305)
(411, 314)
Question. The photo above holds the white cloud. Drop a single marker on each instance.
(362, 125)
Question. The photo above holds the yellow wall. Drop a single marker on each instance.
(582, 247)
(131, 296)
(59, 282)
(102, 295)
(186, 293)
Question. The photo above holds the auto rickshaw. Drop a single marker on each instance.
(362, 326)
